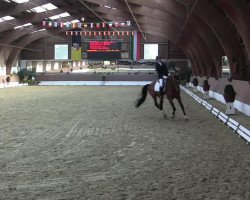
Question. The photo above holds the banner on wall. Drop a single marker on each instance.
(76, 52)
(76, 49)
(89, 33)
(60, 24)
(136, 41)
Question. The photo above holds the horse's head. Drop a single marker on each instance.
(174, 79)
(173, 83)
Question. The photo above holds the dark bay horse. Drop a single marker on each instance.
(172, 92)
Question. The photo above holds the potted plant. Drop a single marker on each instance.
(27, 76)
(8, 79)
(206, 88)
(195, 83)
(229, 96)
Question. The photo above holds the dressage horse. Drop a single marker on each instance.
(172, 91)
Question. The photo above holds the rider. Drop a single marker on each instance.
(162, 72)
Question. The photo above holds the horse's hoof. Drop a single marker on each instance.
(164, 115)
(186, 118)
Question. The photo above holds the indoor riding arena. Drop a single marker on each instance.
(88, 142)
(78, 119)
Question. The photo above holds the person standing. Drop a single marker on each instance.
(162, 72)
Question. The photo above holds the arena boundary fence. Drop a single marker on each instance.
(12, 84)
(231, 123)
(94, 83)
(240, 106)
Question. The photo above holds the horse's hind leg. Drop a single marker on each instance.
(182, 107)
(160, 106)
(172, 104)
(155, 101)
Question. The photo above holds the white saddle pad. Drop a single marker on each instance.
(157, 87)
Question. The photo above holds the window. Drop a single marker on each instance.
(43, 8)
(6, 18)
(20, 1)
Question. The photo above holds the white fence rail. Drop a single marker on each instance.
(12, 84)
(233, 124)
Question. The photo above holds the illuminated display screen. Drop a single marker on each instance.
(104, 50)
(106, 46)
(150, 51)
(61, 52)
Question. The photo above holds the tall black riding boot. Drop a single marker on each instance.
(161, 91)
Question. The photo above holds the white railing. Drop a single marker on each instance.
(12, 84)
(231, 123)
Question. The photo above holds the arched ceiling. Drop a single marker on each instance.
(205, 30)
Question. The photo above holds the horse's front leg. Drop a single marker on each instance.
(164, 114)
(172, 104)
(161, 103)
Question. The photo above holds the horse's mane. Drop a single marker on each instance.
(173, 82)
(174, 77)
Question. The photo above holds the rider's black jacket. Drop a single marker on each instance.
(161, 69)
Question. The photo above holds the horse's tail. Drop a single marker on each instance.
(143, 96)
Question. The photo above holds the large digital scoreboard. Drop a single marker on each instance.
(104, 50)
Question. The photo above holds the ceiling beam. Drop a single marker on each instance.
(131, 11)
(95, 13)
(187, 19)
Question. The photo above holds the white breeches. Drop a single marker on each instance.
(161, 82)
